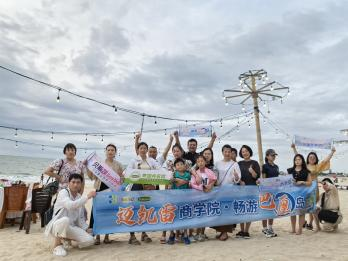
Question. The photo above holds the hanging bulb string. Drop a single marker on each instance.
(118, 108)
(104, 134)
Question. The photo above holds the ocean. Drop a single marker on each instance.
(22, 168)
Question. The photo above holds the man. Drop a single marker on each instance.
(152, 152)
(192, 154)
(69, 221)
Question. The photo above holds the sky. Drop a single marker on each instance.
(171, 58)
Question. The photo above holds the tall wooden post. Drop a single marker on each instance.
(257, 121)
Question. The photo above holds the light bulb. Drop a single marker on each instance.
(243, 108)
(52, 136)
(115, 109)
(16, 133)
(272, 88)
(226, 102)
(86, 139)
(102, 138)
(58, 97)
(264, 104)
(16, 144)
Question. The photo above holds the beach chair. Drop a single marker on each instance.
(41, 202)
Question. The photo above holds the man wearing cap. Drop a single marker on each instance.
(269, 170)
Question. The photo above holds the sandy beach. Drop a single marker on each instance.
(16, 245)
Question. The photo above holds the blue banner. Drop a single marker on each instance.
(154, 210)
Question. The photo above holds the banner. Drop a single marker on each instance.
(154, 176)
(154, 210)
(313, 143)
(103, 172)
(281, 181)
(195, 131)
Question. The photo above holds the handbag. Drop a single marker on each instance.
(49, 213)
(52, 187)
(325, 214)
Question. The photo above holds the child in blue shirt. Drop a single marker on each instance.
(181, 180)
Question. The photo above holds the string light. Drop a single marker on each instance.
(16, 132)
(58, 97)
(91, 99)
(115, 108)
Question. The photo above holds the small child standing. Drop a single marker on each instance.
(203, 180)
(181, 180)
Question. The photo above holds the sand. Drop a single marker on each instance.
(16, 245)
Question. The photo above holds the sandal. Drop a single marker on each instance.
(146, 238)
(134, 241)
(163, 240)
(107, 241)
(97, 241)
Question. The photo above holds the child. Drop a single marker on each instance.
(181, 180)
(269, 170)
(302, 177)
(203, 180)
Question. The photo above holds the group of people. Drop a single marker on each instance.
(191, 170)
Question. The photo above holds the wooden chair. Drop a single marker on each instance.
(41, 202)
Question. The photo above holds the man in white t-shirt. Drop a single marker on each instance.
(69, 222)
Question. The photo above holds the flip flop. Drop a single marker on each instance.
(146, 238)
(107, 241)
(163, 240)
(134, 241)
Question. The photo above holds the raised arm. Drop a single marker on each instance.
(50, 172)
(329, 157)
(176, 137)
(212, 140)
(136, 142)
(166, 150)
(293, 146)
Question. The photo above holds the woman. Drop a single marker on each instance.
(302, 177)
(116, 166)
(208, 154)
(250, 170)
(228, 173)
(142, 161)
(315, 167)
(269, 170)
(61, 169)
(329, 206)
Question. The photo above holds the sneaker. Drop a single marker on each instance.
(192, 239)
(171, 240)
(59, 251)
(201, 238)
(186, 240)
(264, 230)
(246, 235)
(239, 234)
(309, 227)
(270, 233)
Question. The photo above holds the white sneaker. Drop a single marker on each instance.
(59, 251)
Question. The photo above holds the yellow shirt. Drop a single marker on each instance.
(318, 168)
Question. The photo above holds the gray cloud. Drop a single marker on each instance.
(175, 63)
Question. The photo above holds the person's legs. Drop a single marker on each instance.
(316, 220)
(247, 226)
(264, 225)
(242, 227)
(301, 220)
(132, 239)
(293, 224)
(79, 235)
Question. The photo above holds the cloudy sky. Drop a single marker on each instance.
(171, 58)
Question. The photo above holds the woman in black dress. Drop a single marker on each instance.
(301, 177)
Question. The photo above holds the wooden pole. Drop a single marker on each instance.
(257, 121)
